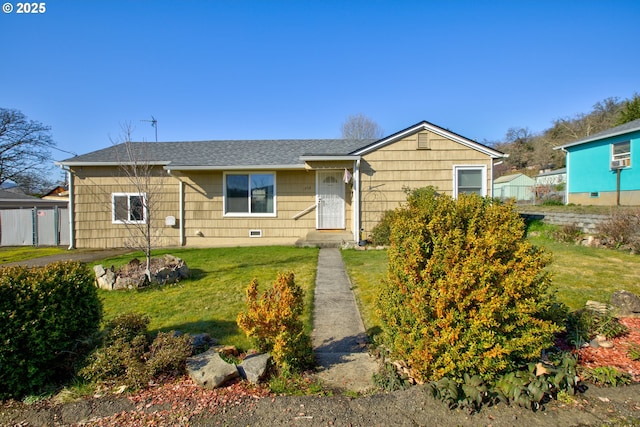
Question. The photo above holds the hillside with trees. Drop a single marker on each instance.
(531, 152)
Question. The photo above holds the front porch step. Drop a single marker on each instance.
(326, 239)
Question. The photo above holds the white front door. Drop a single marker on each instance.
(330, 194)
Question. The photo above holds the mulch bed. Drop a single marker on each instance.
(179, 402)
(617, 356)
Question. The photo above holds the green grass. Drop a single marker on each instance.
(23, 253)
(366, 269)
(579, 274)
(214, 295)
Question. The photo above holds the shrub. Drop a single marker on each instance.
(568, 233)
(465, 291)
(622, 230)
(381, 232)
(45, 314)
(273, 322)
(128, 357)
(583, 325)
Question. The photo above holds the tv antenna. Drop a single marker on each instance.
(154, 123)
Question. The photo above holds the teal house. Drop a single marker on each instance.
(604, 168)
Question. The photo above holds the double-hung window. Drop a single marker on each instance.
(249, 194)
(128, 208)
(469, 180)
(621, 154)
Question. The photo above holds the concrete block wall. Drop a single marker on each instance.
(587, 222)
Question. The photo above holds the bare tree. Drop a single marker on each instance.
(360, 127)
(137, 209)
(24, 146)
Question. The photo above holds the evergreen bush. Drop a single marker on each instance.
(465, 292)
(45, 313)
(272, 321)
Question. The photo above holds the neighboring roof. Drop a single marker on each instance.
(615, 131)
(509, 178)
(242, 154)
(10, 199)
(14, 195)
(424, 125)
(553, 172)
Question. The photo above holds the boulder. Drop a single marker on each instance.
(625, 303)
(254, 367)
(209, 370)
(105, 278)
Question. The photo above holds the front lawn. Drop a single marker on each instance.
(24, 253)
(214, 295)
(579, 274)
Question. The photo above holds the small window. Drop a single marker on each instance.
(469, 180)
(129, 208)
(621, 154)
(249, 194)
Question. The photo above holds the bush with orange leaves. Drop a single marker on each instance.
(273, 323)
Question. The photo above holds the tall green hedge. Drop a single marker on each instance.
(466, 292)
(44, 312)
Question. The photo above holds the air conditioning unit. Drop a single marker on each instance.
(618, 164)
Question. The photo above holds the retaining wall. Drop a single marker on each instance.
(587, 222)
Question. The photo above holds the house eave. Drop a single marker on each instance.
(170, 167)
(328, 158)
(597, 138)
(75, 164)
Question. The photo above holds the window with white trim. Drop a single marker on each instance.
(129, 208)
(621, 154)
(249, 194)
(469, 180)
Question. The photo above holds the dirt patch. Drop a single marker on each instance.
(182, 403)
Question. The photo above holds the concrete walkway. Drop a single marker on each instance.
(339, 337)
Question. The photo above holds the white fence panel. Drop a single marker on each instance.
(16, 227)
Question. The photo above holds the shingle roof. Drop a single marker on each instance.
(221, 153)
(629, 127)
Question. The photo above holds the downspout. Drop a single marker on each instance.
(72, 217)
(180, 207)
(566, 187)
(356, 201)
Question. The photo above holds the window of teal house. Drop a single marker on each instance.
(249, 194)
(621, 155)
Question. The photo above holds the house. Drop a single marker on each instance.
(217, 193)
(26, 220)
(603, 169)
(518, 187)
(551, 178)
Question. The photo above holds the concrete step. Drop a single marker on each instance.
(325, 239)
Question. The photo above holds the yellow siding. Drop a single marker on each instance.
(387, 171)
(92, 208)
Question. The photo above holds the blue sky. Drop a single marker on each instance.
(296, 69)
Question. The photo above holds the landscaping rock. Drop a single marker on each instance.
(105, 278)
(202, 342)
(209, 370)
(598, 307)
(626, 303)
(165, 270)
(254, 367)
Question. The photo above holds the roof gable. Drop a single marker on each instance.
(424, 125)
